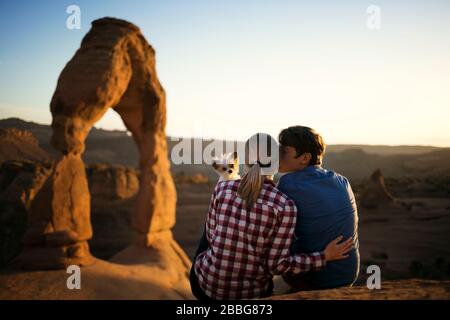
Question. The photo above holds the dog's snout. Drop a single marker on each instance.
(230, 171)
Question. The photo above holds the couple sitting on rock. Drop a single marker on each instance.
(304, 229)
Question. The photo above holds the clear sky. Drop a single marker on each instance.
(232, 68)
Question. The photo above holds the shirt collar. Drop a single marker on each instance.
(312, 168)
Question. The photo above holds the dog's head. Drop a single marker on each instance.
(228, 166)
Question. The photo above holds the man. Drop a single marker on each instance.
(326, 208)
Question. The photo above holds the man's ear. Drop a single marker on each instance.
(306, 158)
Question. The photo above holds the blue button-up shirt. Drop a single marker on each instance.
(326, 209)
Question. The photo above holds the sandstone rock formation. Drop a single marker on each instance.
(159, 272)
(375, 193)
(113, 192)
(112, 182)
(17, 144)
(114, 68)
(19, 183)
(113, 198)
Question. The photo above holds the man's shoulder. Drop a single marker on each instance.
(288, 181)
(298, 176)
(341, 178)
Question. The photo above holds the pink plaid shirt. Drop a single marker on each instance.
(247, 247)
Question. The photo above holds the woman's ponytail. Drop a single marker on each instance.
(260, 147)
(251, 185)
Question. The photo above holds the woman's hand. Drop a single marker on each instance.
(335, 251)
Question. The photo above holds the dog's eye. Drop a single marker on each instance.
(224, 169)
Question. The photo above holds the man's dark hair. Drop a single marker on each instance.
(304, 140)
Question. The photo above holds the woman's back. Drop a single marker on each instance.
(235, 266)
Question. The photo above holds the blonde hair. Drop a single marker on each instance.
(251, 185)
(253, 181)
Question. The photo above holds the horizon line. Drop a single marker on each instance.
(206, 138)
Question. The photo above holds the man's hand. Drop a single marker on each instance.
(335, 251)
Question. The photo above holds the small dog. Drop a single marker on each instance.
(227, 167)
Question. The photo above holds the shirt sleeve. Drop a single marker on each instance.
(211, 217)
(279, 259)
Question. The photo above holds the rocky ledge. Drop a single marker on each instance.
(413, 289)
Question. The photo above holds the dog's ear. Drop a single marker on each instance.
(235, 159)
(214, 164)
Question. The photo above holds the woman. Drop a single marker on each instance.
(248, 233)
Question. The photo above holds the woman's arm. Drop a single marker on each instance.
(279, 259)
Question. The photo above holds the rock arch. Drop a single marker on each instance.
(113, 68)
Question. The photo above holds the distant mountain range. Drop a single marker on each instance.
(355, 161)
